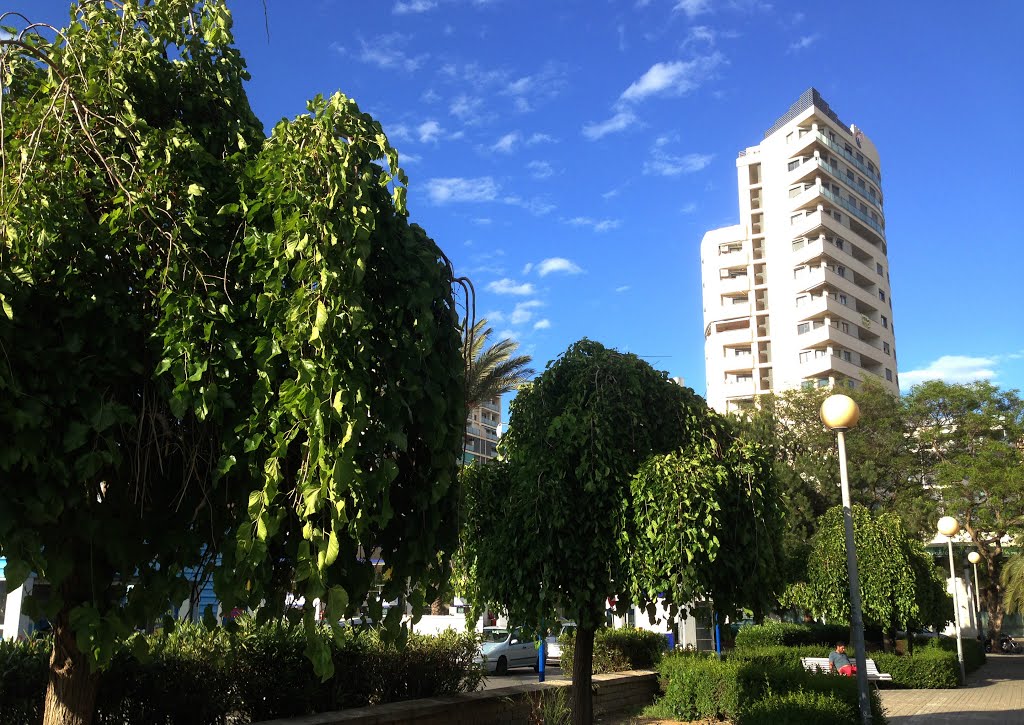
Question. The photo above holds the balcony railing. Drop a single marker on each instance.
(863, 192)
(853, 209)
(838, 148)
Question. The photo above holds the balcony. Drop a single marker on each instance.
(734, 285)
(854, 210)
(739, 258)
(835, 174)
(840, 150)
(738, 363)
(732, 337)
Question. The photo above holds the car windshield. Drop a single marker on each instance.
(495, 635)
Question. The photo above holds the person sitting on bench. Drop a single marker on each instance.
(838, 661)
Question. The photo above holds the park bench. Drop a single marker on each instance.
(821, 664)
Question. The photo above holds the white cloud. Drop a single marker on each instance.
(805, 41)
(542, 324)
(540, 169)
(674, 78)
(429, 131)
(506, 144)
(385, 51)
(598, 225)
(525, 91)
(413, 6)
(430, 96)
(539, 138)
(693, 8)
(410, 158)
(495, 317)
(442, 191)
(623, 288)
(527, 267)
(952, 369)
(482, 221)
(689, 208)
(506, 286)
(557, 264)
(507, 335)
(535, 206)
(669, 165)
(619, 122)
(523, 312)
(700, 34)
(465, 107)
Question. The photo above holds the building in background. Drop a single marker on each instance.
(797, 293)
(483, 427)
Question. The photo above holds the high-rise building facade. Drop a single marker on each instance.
(482, 430)
(797, 294)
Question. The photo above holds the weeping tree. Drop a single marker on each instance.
(901, 587)
(553, 525)
(215, 345)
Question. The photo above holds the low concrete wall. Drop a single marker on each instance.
(505, 706)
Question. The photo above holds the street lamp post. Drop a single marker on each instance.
(974, 557)
(840, 413)
(948, 527)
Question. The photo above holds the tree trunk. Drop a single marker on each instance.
(71, 689)
(438, 607)
(582, 677)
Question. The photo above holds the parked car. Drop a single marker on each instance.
(554, 647)
(502, 649)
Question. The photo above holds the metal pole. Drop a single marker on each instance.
(977, 595)
(856, 614)
(542, 654)
(956, 611)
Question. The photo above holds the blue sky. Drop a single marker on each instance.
(568, 155)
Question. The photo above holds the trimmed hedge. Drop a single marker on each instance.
(974, 651)
(929, 668)
(790, 635)
(618, 650)
(701, 687)
(196, 676)
(806, 708)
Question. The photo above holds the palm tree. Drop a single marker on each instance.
(1013, 584)
(494, 370)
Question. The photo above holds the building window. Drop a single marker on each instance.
(849, 149)
(864, 208)
(881, 295)
(888, 374)
(798, 244)
(803, 328)
(885, 322)
(849, 176)
(878, 268)
(807, 384)
(794, 164)
(841, 270)
(801, 300)
(842, 300)
(795, 219)
(789, 137)
(846, 356)
(817, 323)
(845, 327)
(860, 157)
(805, 356)
(839, 243)
(885, 348)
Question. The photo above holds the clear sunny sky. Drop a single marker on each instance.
(568, 155)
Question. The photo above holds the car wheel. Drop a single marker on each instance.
(502, 667)
(536, 667)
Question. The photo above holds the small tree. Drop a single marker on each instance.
(553, 525)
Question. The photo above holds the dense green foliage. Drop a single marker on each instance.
(900, 585)
(618, 650)
(928, 668)
(806, 708)
(214, 342)
(1013, 584)
(789, 634)
(196, 676)
(699, 687)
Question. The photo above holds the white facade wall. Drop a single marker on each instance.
(798, 292)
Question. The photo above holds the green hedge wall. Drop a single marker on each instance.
(618, 650)
(805, 708)
(699, 687)
(926, 669)
(791, 635)
(197, 676)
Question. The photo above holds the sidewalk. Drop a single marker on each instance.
(993, 695)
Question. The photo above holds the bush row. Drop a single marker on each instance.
(618, 650)
(790, 635)
(700, 687)
(974, 651)
(199, 676)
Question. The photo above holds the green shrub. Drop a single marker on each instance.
(930, 668)
(23, 672)
(792, 635)
(769, 657)
(198, 676)
(618, 650)
(701, 687)
(806, 708)
(974, 651)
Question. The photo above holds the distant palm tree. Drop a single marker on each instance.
(1013, 584)
(494, 370)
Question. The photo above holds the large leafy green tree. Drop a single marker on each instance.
(213, 343)
(552, 526)
(900, 584)
(969, 441)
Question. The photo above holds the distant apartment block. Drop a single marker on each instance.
(797, 294)
(482, 427)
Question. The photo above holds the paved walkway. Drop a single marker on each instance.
(993, 695)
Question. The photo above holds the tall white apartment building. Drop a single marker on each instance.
(483, 426)
(797, 293)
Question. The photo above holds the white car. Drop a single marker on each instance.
(554, 648)
(503, 649)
